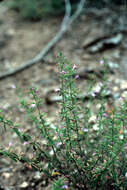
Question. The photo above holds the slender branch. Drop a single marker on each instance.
(67, 21)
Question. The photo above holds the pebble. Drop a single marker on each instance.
(6, 175)
(51, 153)
(98, 106)
(37, 175)
(98, 87)
(24, 185)
(92, 119)
(44, 142)
(124, 94)
(11, 32)
(113, 65)
(118, 81)
(116, 96)
(115, 88)
(123, 84)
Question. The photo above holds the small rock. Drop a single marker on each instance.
(115, 88)
(6, 175)
(124, 95)
(91, 141)
(37, 175)
(24, 185)
(118, 81)
(92, 119)
(98, 87)
(116, 95)
(107, 92)
(115, 39)
(11, 32)
(98, 106)
(123, 84)
(105, 43)
(113, 65)
(51, 153)
(53, 99)
(44, 142)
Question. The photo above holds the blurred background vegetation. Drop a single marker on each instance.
(37, 9)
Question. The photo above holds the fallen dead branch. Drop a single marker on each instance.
(67, 21)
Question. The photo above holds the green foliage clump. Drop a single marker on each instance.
(81, 151)
(36, 9)
(58, 184)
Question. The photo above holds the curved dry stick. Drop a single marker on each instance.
(67, 21)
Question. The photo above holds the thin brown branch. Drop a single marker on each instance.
(67, 21)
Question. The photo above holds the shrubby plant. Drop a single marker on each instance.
(35, 10)
(82, 151)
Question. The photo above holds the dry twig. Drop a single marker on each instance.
(67, 21)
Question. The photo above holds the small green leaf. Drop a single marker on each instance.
(11, 155)
(24, 160)
(16, 131)
(26, 137)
